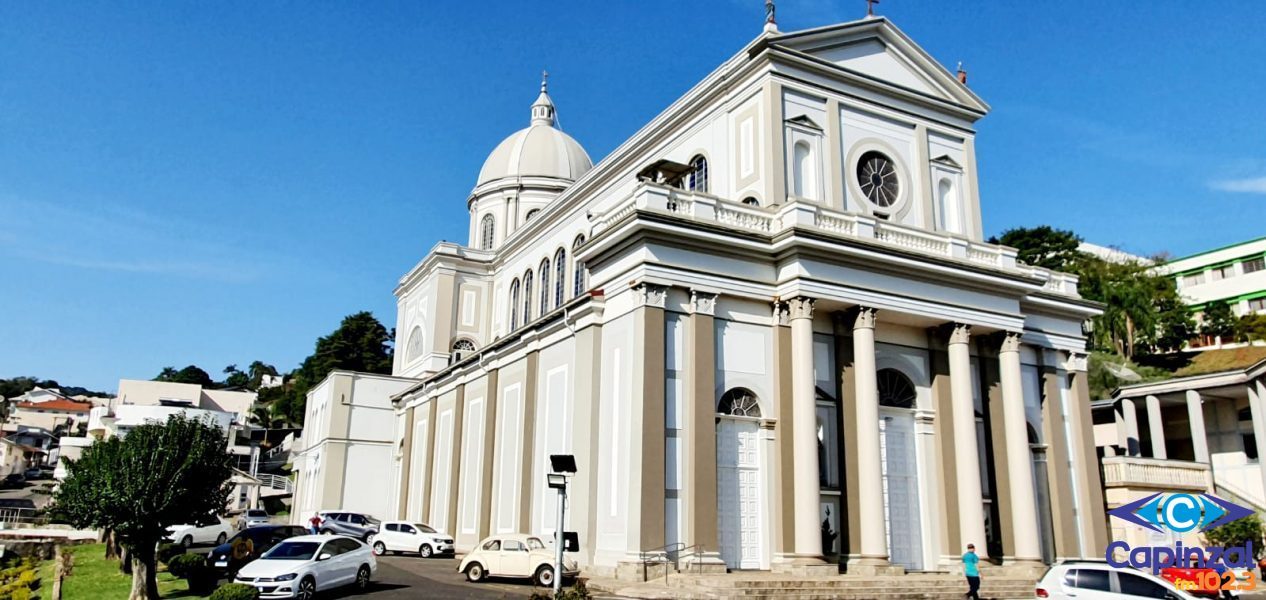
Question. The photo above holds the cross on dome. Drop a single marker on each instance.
(543, 108)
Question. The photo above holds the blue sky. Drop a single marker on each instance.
(214, 183)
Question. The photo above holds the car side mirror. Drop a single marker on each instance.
(324, 556)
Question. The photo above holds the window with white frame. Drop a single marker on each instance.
(487, 227)
(1222, 272)
(1257, 304)
(514, 304)
(578, 274)
(527, 297)
(1191, 279)
(1253, 265)
(461, 349)
(699, 174)
(546, 290)
(560, 274)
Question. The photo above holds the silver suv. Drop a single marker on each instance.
(357, 525)
(1095, 580)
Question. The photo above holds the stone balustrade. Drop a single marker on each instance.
(1153, 473)
(809, 215)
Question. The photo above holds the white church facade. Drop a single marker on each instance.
(766, 326)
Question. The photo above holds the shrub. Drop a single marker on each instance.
(577, 592)
(183, 566)
(235, 591)
(166, 552)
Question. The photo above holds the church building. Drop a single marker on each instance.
(767, 327)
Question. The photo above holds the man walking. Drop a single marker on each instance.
(971, 569)
(315, 523)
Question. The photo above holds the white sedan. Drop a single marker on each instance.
(514, 555)
(302, 566)
(188, 535)
(403, 536)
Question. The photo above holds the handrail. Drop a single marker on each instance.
(670, 554)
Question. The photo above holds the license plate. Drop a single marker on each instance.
(222, 563)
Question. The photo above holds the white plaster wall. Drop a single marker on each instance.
(613, 462)
(555, 407)
(368, 466)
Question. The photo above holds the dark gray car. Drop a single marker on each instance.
(358, 525)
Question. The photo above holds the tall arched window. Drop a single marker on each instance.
(461, 349)
(802, 171)
(699, 174)
(895, 389)
(487, 227)
(948, 201)
(514, 304)
(527, 297)
(739, 402)
(560, 273)
(415, 343)
(546, 290)
(578, 275)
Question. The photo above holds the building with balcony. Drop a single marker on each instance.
(1199, 433)
(1234, 274)
(767, 327)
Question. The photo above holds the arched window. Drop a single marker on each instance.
(546, 290)
(415, 343)
(530, 214)
(948, 201)
(802, 172)
(750, 201)
(487, 227)
(461, 349)
(527, 297)
(698, 174)
(895, 389)
(739, 402)
(560, 272)
(514, 304)
(578, 275)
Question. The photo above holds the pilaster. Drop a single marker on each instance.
(455, 460)
(489, 452)
(700, 461)
(405, 458)
(530, 377)
(1059, 483)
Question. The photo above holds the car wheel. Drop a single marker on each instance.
(425, 551)
(369, 538)
(307, 589)
(362, 578)
(475, 573)
(545, 576)
(380, 548)
(186, 541)
(327, 532)
(220, 539)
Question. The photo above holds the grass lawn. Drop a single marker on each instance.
(95, 577)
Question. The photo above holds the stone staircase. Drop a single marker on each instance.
(755, 586)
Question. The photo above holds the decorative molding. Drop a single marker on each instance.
(864, 317)
(782, 314)
(653, 295)
(958, 333)
(704, 303)
(800, 307)
(1010, 341)
(1077, 361)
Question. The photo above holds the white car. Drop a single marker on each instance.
(514, 555)
(302, 566)
(188, 535)
(403, 536)
(254, 516)
(1096, 580)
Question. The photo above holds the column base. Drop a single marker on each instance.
(1016, 567)
(706, 563)
(629, 570)
(873, 566)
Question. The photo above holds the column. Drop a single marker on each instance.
(874, 535)
(1019, 467)
(1060, 485)
(807, 493)
(1091, 517)
(700, 464)
(1256, 408)
(1195, 415)
(646, 479)
(1156, 427)
(1128, 427)
(404, 460)
(493, 390)
(971, 514)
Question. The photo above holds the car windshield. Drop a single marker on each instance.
(423, 528)
(292, 551)
(256, 513)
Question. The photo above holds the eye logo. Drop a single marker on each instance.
(1180, 512)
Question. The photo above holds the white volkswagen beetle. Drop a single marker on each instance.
(514, 555)
(302, 566)
(403, 536)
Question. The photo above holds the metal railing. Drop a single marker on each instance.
(276, 482)
(22, 516)
(669, 554)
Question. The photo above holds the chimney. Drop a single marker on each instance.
(962, 75)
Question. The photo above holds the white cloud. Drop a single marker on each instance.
(1249, 185)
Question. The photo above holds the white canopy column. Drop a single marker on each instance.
(874, 538)
(1019, 465)
(806, 495)
(971, 515)
(1195, 414)
(1156, 427)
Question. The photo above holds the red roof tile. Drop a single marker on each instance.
(61, 405)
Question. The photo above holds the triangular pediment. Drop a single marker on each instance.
(877, 50)
(805, 121)
(945, 159)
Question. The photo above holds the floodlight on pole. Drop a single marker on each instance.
(562, 465)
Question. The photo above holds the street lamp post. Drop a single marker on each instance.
(562, 465)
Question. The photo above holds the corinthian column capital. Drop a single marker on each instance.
(651, 294)
(957, 333)
(801, 307)
(864, 317)
(1010, 341)
(703, 303)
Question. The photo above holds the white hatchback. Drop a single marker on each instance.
(188, 535)
(302, 566)
(1095, 580)
(403, 536)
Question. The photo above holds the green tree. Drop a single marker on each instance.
(137, 486)
(1218, 320)
(1042, 246)
(189, 374)
(1237, 533)
(257, 371)
(234, 378)
(1250, 328)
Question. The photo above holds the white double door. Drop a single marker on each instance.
(901, 488)
(738, 492)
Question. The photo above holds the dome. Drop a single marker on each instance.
(540, 150)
